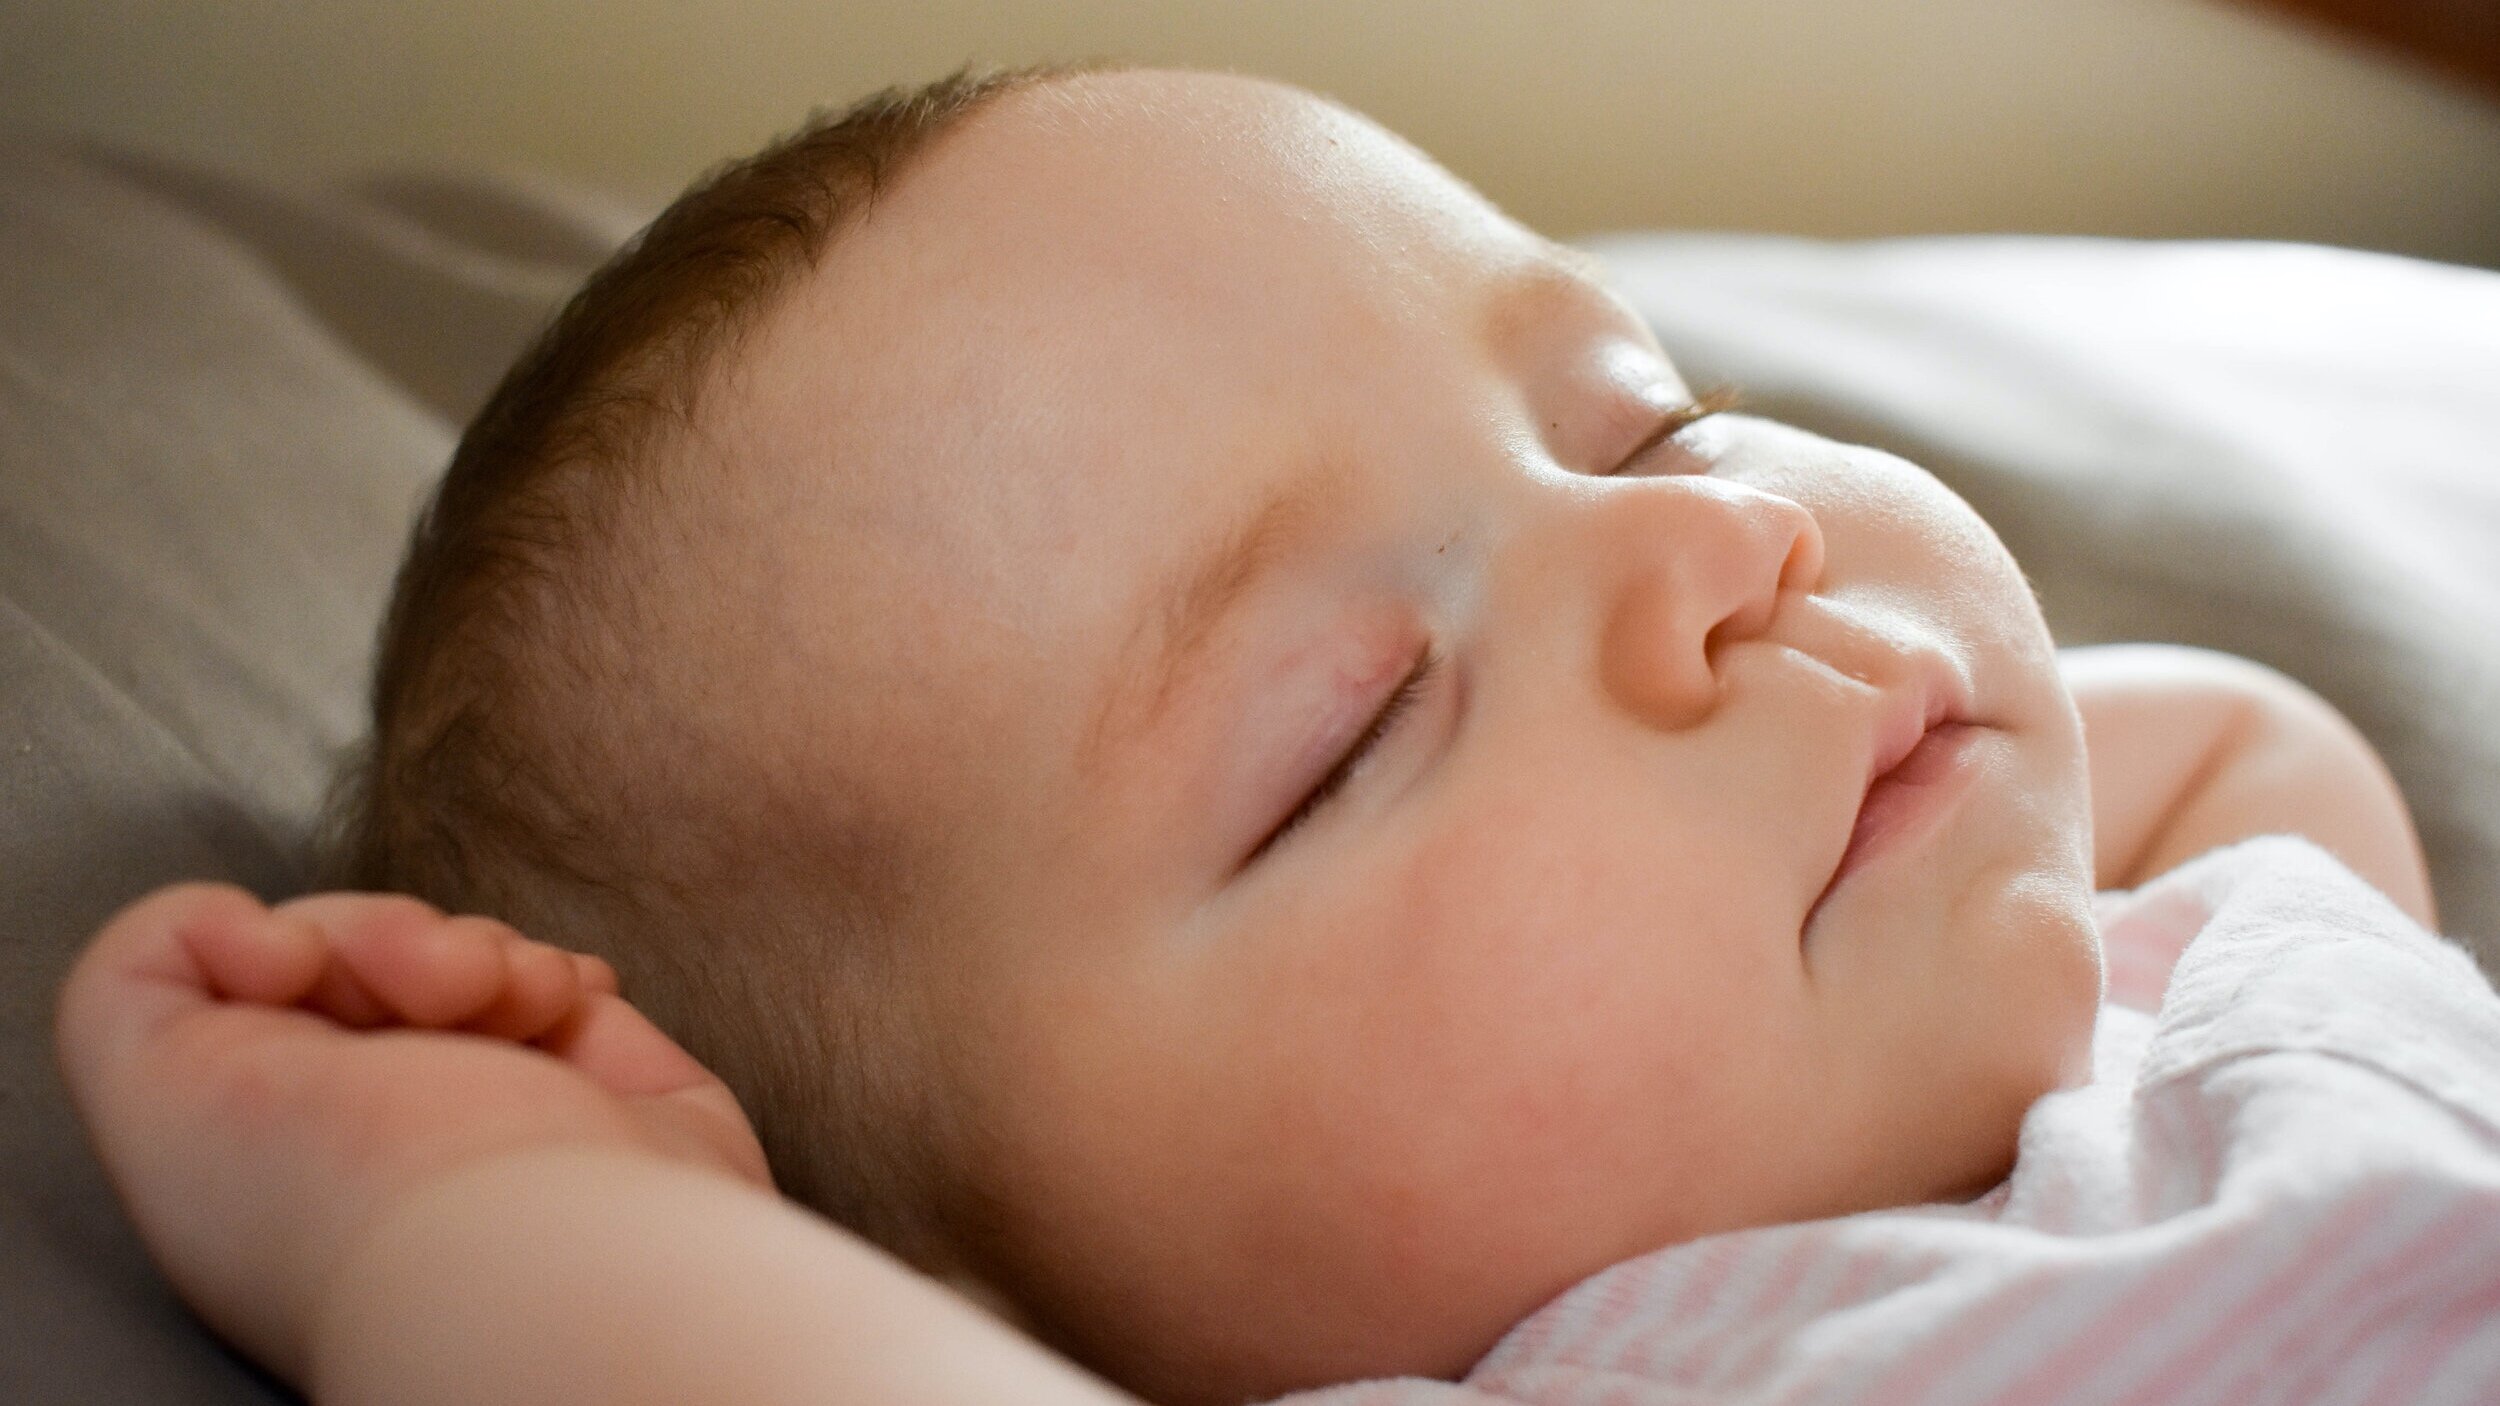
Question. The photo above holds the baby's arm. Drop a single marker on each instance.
(2192, 749)
(400, 1157)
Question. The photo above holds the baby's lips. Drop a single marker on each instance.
(1931, 696)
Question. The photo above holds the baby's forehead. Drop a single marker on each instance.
(1077, 256)
(1154, 185)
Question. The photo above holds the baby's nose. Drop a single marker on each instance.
(1699, 564)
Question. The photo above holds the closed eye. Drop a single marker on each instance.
(1717, 400)
(1400, 700)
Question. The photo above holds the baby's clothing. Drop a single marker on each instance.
(2283, 1188)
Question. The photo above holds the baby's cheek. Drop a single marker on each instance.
(1480, 931)
(1540, 1023)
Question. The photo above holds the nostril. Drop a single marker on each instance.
(1743, 623)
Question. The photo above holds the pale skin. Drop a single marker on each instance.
(405, 1157)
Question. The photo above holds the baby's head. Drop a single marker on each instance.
(1198, 724)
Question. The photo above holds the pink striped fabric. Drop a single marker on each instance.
(2282, 1188)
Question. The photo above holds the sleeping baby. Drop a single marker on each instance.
(1224, 784)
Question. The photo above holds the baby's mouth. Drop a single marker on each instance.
(1901, 797)
(1914, 749)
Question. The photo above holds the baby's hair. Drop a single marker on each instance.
(524, 761)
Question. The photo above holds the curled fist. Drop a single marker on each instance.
(261, 1083)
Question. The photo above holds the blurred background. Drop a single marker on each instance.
(1820, 117)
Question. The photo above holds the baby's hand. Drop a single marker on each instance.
(261, 1083)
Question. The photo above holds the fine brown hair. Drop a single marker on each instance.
(523, 761)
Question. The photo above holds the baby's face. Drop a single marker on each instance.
(1398, 802)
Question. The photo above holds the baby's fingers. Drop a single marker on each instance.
(395, 960)
(245, 953)
(399, 961)
(597, 976)
(541, 986)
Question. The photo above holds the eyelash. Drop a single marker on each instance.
(1717, 400)
(1392, 709)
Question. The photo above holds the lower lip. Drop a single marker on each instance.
(1915, 791)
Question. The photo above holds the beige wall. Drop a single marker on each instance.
(2158, 117)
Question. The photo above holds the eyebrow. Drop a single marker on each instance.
(1195, 598)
